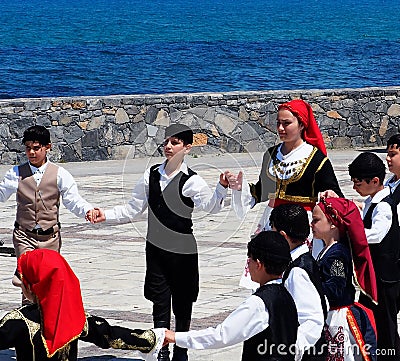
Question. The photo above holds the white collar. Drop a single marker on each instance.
(41, 169)
(298, 251)
(183, 168)
(392, 184)
(302, 151)
(378, 196)
(277, 281)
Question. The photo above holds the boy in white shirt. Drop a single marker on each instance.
(170, 191)
(267, 320)
(302, 280)
(39, 185)
(380, 217)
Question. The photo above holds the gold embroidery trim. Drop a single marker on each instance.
(33, 327)
(147, 335)
(357, 334)
(283, 183)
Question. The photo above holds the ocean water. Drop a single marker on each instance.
(105, 47)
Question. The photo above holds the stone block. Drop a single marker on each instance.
(94, 154)
(121, 116)
(72, 133)
(354, 131)
(341, 142)
(151, 130)
(225, 123)
(91, 139)
(138, 133)
(151, 115)
(394, 110)
(9, 158)
(96, 122)
(122, 151)
(162, 118)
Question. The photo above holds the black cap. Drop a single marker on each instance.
(180, 131)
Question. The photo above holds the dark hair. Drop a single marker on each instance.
(366, 166)
(37, 133)
(293, 220)
(394, 140)
(180, 131)
(272, 250)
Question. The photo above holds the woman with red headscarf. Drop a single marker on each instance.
(350, 330)
(294, 171)
(50, 327)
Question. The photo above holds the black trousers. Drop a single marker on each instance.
(171, 277)
(386, 317)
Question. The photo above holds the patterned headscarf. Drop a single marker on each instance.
(305, 115)
(59, 295)
(344, 214)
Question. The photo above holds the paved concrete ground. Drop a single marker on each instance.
(109, 258)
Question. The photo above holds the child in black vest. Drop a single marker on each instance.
(302, 280)
(381, 223)
(267, 320)
(170, 191)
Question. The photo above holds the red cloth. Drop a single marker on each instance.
(307, 206)
(345, 215)
(59, 296)
(305, 115)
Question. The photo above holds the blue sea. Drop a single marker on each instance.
(106, 47)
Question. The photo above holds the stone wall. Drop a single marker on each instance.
(115, 127)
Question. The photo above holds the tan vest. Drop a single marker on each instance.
(37, 204)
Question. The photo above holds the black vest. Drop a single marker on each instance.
(386, 254)
(170, 214)
(282, 329)
(310, 265)
(307, 262)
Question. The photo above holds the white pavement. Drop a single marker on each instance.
(109, 258)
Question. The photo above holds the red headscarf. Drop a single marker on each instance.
(345, 215)
(59, 295)
(305, 115)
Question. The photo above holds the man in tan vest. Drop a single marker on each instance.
(39, 184)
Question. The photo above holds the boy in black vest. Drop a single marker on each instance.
(267, 320)
(302, 280)
(170, 191)
(380, 217)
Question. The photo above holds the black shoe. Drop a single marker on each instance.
(180, 354)
(163, 355)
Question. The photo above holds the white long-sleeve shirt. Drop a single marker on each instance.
(308, 304)
(65, 184)
(381, 216)
(195, 188)
(249, 319)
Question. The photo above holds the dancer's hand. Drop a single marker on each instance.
(169, 337)
(235, 181)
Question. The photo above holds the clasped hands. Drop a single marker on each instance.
(233, 181)
(95, 215)
(169, 337)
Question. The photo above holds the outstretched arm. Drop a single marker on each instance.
(9, 184)
(99, 332)
(251, 315)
